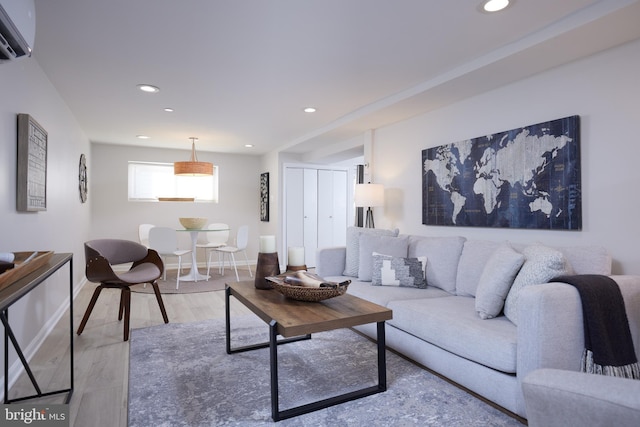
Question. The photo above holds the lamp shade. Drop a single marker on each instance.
(369, 195)
(193, 167)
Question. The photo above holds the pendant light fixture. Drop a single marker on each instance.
(193, 167)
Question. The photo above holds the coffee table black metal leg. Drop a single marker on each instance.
(273, 361)
(278, 415)
(382, 358)
(230, 350)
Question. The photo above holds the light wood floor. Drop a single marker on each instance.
(102, 357)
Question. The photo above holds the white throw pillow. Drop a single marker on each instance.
(496, 279)
(352, 259)
(541, 264)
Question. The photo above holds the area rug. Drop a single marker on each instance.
(215, 283)
(180, 375)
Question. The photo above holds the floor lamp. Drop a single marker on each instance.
(368, 196)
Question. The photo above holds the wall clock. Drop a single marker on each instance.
(82, 178)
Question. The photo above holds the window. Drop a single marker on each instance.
(150, 181)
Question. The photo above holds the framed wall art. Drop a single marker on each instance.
(264, 196)
(521, 178)
(32, 165)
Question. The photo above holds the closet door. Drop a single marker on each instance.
(310, 216)
(316, 209)
(325, 208)
(295, 207)
(340, 195)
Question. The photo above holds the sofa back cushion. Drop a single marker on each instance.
(475, 255)
(353, 246)
(588, 259)
(443, 255)
(385, 245)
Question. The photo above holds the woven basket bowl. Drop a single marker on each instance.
(303, 293)
(193, 223)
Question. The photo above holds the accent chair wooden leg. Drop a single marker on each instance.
(121, 307)
(126, 299)
(87, 313)
(156, 290)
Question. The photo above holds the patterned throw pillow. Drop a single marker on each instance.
(396, 271)
(541, 264)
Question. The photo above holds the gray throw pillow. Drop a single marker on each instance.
(496, 280)
(393, 246)
(541, 264)
(352, 259)
(398, 271)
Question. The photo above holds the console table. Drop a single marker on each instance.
(13, 293)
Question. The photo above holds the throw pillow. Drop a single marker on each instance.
(541, 264)
(496, 280)
(353, 246)
(393, 246)
(398, 271)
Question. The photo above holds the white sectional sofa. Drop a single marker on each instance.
(439, 325)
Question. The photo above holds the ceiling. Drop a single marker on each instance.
(240, 72)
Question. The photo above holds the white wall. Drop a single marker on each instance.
(603, 90)
(64, 226)
(113, 216)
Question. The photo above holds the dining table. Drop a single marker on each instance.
(194, 275)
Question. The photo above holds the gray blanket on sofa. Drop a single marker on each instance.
(608, 344)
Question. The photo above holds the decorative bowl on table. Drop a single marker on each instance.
(307, 293)
(193, 223)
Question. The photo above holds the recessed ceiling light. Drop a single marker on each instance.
(168, 110)
(148, 88)
(142, 137)
(495, 5)
(309, 110)
(248, 145)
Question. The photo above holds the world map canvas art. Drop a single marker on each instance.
(522, 178)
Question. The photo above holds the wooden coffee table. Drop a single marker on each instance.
(297, 320)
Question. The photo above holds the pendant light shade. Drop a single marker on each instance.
(193, 167)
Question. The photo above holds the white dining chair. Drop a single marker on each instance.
(164, 240)
(213, 240)
(143, 233)
(242, 239)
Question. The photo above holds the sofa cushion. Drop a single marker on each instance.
(541, 264)
(496, 280)
(588, 259)
(387, 245)
(452, 324)
(443, 254)
(382, 295)
(398, 271)
(475, 254)
(353, 246)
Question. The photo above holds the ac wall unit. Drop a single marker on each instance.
(17, 28)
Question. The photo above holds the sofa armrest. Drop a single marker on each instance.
(550, 324)
(564, 398)
(331, 261)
